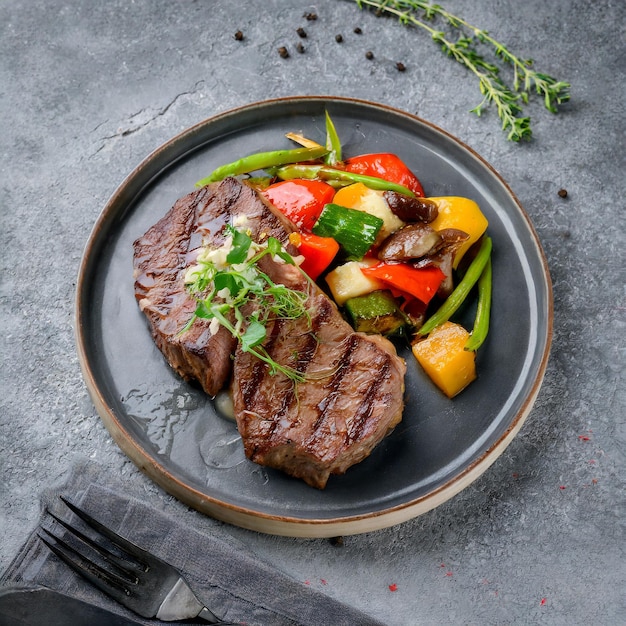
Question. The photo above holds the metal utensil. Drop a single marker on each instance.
(36, 605)
(129, 574)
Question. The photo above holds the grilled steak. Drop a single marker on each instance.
(161, 258)
(352, 395)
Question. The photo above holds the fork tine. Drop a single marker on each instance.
(125, 566)
(106, 581)
(134, 550)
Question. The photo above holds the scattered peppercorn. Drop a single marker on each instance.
(400, 66)
(338, 38)
(336, 541)
(357, 30)
(369, 55)
(311, 17)
(284, 53)
(301, 32)
(300, 48)
(239, 36)
(562, 193)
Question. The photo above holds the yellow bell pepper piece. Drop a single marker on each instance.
(463, 214)
(372, 201)
(444, 359)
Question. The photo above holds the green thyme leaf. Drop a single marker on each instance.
(508, 100)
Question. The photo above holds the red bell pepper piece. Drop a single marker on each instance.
(421, 283)
(300, 200)
(386, 166)
(318, 252)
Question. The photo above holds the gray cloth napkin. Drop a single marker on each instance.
(225, 575)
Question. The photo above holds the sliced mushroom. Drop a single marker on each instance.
(410, 242)
(411, 209)
(443, 257)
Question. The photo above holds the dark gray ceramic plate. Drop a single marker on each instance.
(172, 431)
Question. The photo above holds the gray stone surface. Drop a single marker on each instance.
(89, 89)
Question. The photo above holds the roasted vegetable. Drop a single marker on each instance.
(483, 310)
(444, 358)
(333, 144)
(409, 209)
(318, 252)
(386, 166)
(261, 161)
(457, 297)
(410, 242)
(407, 281)
(376, 313)
(336, 176)
(359, 196)
(301, 201)
(443, 258)
(348, 281)
(355, 230)
(462, 214)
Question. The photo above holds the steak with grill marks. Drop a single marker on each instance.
(352, 395)
(163, 255)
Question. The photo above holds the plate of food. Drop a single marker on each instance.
(263, 303)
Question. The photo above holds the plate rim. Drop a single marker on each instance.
(278, 524)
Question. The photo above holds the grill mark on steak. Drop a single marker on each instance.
(259, 371)
(304, 353)
(334, 386)
(366, 407)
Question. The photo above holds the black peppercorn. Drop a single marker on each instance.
(301, 32)
(338, 38)
(562, 193)
(300, 48)
(310, 16)
(357, 30)
(400, 66)
(369, 55)
(284, 53)
(239, 36)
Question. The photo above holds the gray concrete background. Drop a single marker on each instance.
(90, 89)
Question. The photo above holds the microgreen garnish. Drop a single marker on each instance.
(223, 286)
(508, 100)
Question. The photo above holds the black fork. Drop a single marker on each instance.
(129, 574)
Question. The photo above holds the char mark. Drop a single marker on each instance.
(333, 387)
(365, 408)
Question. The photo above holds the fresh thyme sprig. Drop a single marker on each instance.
(508, 100)
(223, 284)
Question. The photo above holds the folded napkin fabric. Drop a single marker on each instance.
(224, 574)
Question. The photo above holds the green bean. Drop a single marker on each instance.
(333, 144)
(261, 161)
(332, 175)
(483, 311)
(457, 297)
